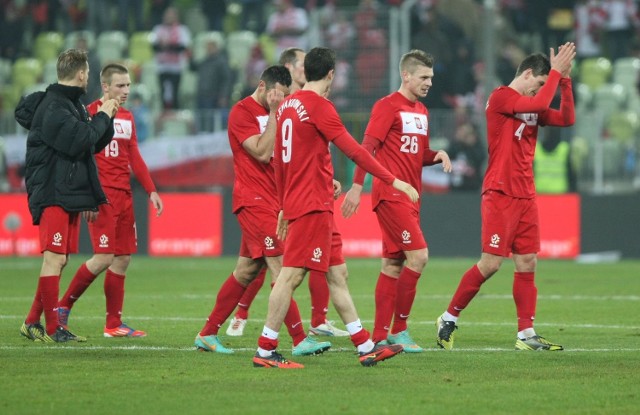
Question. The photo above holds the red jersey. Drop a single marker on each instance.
(122, 154)
(254, 183)
(307, 123)
(512, 135)
(402, 127)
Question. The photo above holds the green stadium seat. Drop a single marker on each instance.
(623, 126)
(140, 48)
(71, 39)
(48, 45)
(610, 98)
(111, 46)
(595, 72)
(626, 71)
(26, 72)
(200, 43)
(239, 46)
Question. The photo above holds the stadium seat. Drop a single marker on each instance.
(71, 39)
(177, 124)
(5, 71)
(50, 72)
(48, 45)
(187, 89)
(111, 46)
(195, 20)
(140, 48)
(239, 46)
(623, 126)
(583, 96)
(595, 72)
(200, 43)
(35, 88)
(10, 97)
(26, 72)
(609, 98)
(626, 71)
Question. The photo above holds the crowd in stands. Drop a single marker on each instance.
(203, 55)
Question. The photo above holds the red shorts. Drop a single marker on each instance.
(313, 242)
(509, 224)
(114, 231)
(259, 237)
(59, 230)
(400, 226)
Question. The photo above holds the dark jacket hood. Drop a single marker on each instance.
(28, 104)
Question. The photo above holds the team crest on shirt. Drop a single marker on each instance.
(262, 122)
(414, 123)
(529, 118)
(317, 254)
(268, 242)
(104, 241)
(122, 128)
(406, 237)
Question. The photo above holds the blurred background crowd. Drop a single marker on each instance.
(191, 60)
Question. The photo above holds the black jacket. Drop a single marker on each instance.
(60, 166)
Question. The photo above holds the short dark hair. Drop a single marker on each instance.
(289, 55)
(276, 74)
(70, 62)
(414, 58)
(537, 62)
(107, 72)
(318, 63)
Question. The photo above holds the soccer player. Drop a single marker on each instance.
(398, 136)
(113, 234)
(252, 131)
(61, 179)
(508, 207)
(306, 124)
(293, 60)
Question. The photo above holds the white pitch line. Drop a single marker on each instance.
(256, 321)
(507, 297)
(333, 350)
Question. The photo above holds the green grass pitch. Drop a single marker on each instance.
(593, 310)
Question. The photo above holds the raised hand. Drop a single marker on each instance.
(562, 61)
(274, 98)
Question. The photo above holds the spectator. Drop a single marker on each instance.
(171, 41)
(253, 70)
(127, 8)
(214, 10)
(94, 89)
(253, 15)
(552, 168)
(214, 84)
(288, 26)
(141, 116)
(621, 18)
(158, 7)
(467, 158)
(588, 17)
(98, 17)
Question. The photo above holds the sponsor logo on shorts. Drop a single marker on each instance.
(268, 242)
(104, 241)
(495, 241)
(317, 254)
(57, 239)
(406, 237)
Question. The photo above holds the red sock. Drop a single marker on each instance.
(226, 300)
(525, 294)
(114, 293)
(405, 295)
(293, 321)
(267, 344)
(385, 303)
(467, 289)
(360, 337)
(79, 284)
(319, 291)
(49, 291)
(36, 307)
(249, 295)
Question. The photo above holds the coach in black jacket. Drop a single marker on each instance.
(61, 179)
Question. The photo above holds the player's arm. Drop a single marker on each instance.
(141, 172)
(349, 146)
(566, 115)
(351, 200)
(432, 157)
(260, 146)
